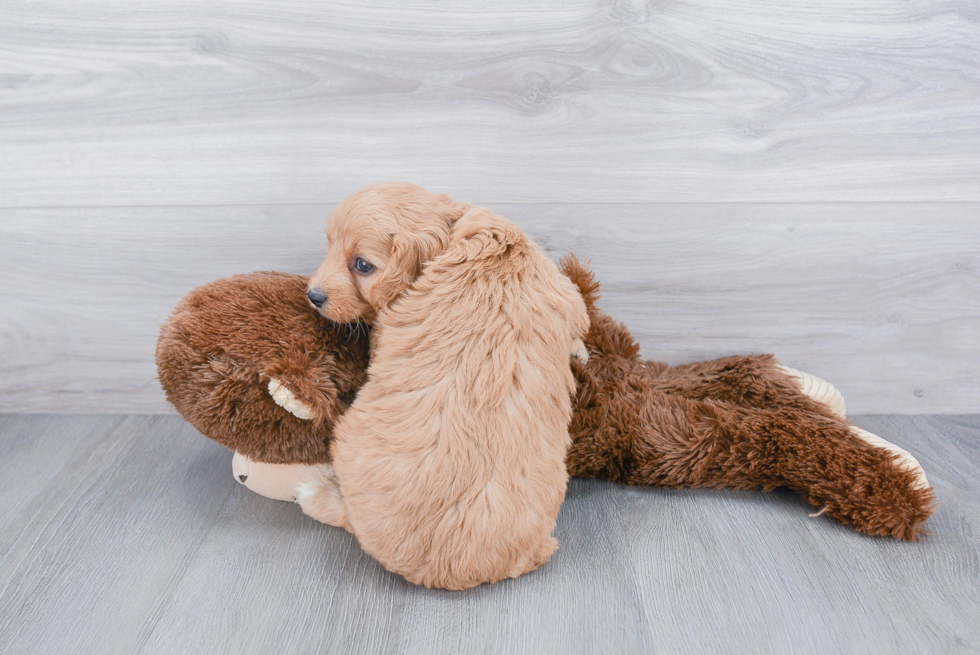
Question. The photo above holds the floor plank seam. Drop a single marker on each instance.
(173, 585)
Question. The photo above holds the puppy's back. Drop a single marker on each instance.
(452, 457)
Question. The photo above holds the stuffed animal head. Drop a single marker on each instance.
(378, 240)
(227, 340)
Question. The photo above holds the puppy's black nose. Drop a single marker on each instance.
(316, 297)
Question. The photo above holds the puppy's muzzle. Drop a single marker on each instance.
(317, 297)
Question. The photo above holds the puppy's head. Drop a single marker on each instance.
(378, 240)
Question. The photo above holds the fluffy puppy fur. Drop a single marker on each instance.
(449, 467)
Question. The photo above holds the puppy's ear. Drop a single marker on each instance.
(409, 252)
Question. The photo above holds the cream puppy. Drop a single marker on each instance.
(449, 466)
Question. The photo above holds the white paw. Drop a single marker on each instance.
(285, 399)
(308, 492)
(818, 389)
(323, 500)
(579, 351)
(905, 459)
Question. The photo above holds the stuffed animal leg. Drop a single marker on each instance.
(760, 382)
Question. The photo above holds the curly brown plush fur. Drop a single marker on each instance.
(227, 339)
(734, 423)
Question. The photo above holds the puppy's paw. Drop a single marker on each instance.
(285, 399)
(308, 492)
(579, 352)
(322, 500)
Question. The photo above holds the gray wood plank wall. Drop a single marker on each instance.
(801, 179)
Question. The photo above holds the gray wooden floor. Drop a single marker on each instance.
(126, 534)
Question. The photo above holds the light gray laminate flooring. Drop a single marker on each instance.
(126, 534)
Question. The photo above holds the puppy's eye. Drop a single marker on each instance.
(362, 266)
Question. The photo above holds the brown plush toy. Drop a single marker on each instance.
(252, 365)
